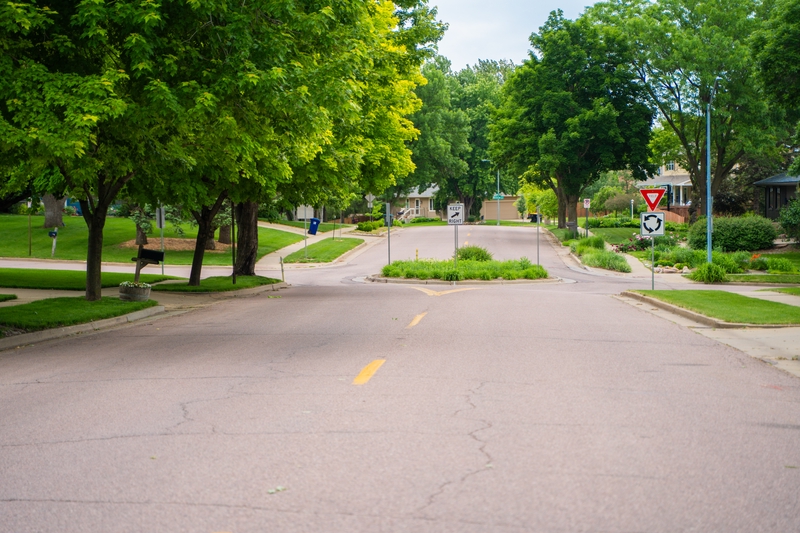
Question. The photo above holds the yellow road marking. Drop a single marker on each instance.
(442, 293)
(368, 372)
(416, 320)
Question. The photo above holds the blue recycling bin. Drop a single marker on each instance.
(313, 226)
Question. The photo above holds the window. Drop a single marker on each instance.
(430, 205)
(670, 165)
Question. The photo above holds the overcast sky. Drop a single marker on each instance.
(496, 29)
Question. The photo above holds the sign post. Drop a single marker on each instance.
(160, 225)
(538, 232)
(652, 226)
(54, 235)
(455, 217)
(389, 230)
(587, 202)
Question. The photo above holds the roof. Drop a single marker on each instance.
(780, 179)
(427, 193)
(676, 180)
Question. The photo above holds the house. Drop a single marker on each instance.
(778, 191)
(417, 204)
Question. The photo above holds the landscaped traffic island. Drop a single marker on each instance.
(473, 263)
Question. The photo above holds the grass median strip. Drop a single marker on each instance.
(7, 297)
(730, 307)
(764, 278)
(467, 269)
(59, 312)
(323, 251)
(217, 284)
(795, 291)
(65, 280)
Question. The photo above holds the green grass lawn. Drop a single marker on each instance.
(72, 241)
(217, 284)
(324, 227)
(7, 297)
(68, 280)
(323, 251)
(764, 278)
(730, 307)
(58, 312)
(614, 235)
(790, 290)
(467, 269)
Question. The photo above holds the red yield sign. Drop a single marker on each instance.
(652, 197)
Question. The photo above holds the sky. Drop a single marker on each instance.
(495, 29)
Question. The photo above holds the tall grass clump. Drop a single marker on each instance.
(474, 253)
(579, 247)
(467, 269)
(605, 259)
(708, 273)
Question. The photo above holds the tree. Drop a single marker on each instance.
(776, 46)
(681, 48)
(572, 111)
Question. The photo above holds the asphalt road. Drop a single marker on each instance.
(509, 408)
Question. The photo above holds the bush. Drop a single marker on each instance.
(790, 219)
(732, 234)
(725, 262)
(474, 253)
(780, 264)
(605, 259)
(580, 247)
(417, 220)
(708, 273)
(758, 263)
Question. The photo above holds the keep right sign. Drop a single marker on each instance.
(652, 197)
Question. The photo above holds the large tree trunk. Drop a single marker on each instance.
(53, 211)
(210, 244)
(205, 230)
(562, 208)
(247, 249)
(141, 236)
(572, 207)
(95, 221)
(225, 234)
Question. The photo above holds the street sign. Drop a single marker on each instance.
(455, 214)
(498, 196)
(652, 197)
(587, 202)
(369, 198)
(653, 224)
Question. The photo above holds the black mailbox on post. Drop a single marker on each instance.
(146, 257)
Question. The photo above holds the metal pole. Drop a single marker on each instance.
(233, 240)
(455, 254)
(653, 264)
(30, 246)
(305, 231)
(708, 180)
(538, 232)
(163, 222)
(631, 207)
(389, 231)
(587, 222)
(498, 196)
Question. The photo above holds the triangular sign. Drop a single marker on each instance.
(652, 197)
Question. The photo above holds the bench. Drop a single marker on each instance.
(146, 257)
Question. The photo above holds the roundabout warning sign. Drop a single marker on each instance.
(652, 224)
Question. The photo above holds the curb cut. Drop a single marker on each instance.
(379, 279)
(38, 336)
(697, 317)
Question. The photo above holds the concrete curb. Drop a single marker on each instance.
(49, 334)
(230, 294)
(697, 317)
(379, 279)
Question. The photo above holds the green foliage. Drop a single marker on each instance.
(579, 247)
(59, 312)
(559, 124)
(708, 273)
(605, 259)
(603, 195)
(780, 264)
(790, 219)
(217, 284)
(545, 199)
(370, 226)
(726, 262)
(323, 251)
(7, 297)
(467, 269)
(474, 253)
(731, 234)
(420, 220)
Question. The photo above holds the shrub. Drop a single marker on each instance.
(365, 226)
(780, 264)
(742, 260)
(732, 234)
(790, 219)
(725, 262)
(450, 275)
(417, 220)
(708, 273)
(474, 253)
(758, 263)
(582, 246)
(605, 259)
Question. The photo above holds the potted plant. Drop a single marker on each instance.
(134, 291)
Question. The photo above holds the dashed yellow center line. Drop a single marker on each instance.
(368, 372)
(416, 320)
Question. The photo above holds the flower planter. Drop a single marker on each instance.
(134, 294)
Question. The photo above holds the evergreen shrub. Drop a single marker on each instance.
(733, 234)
